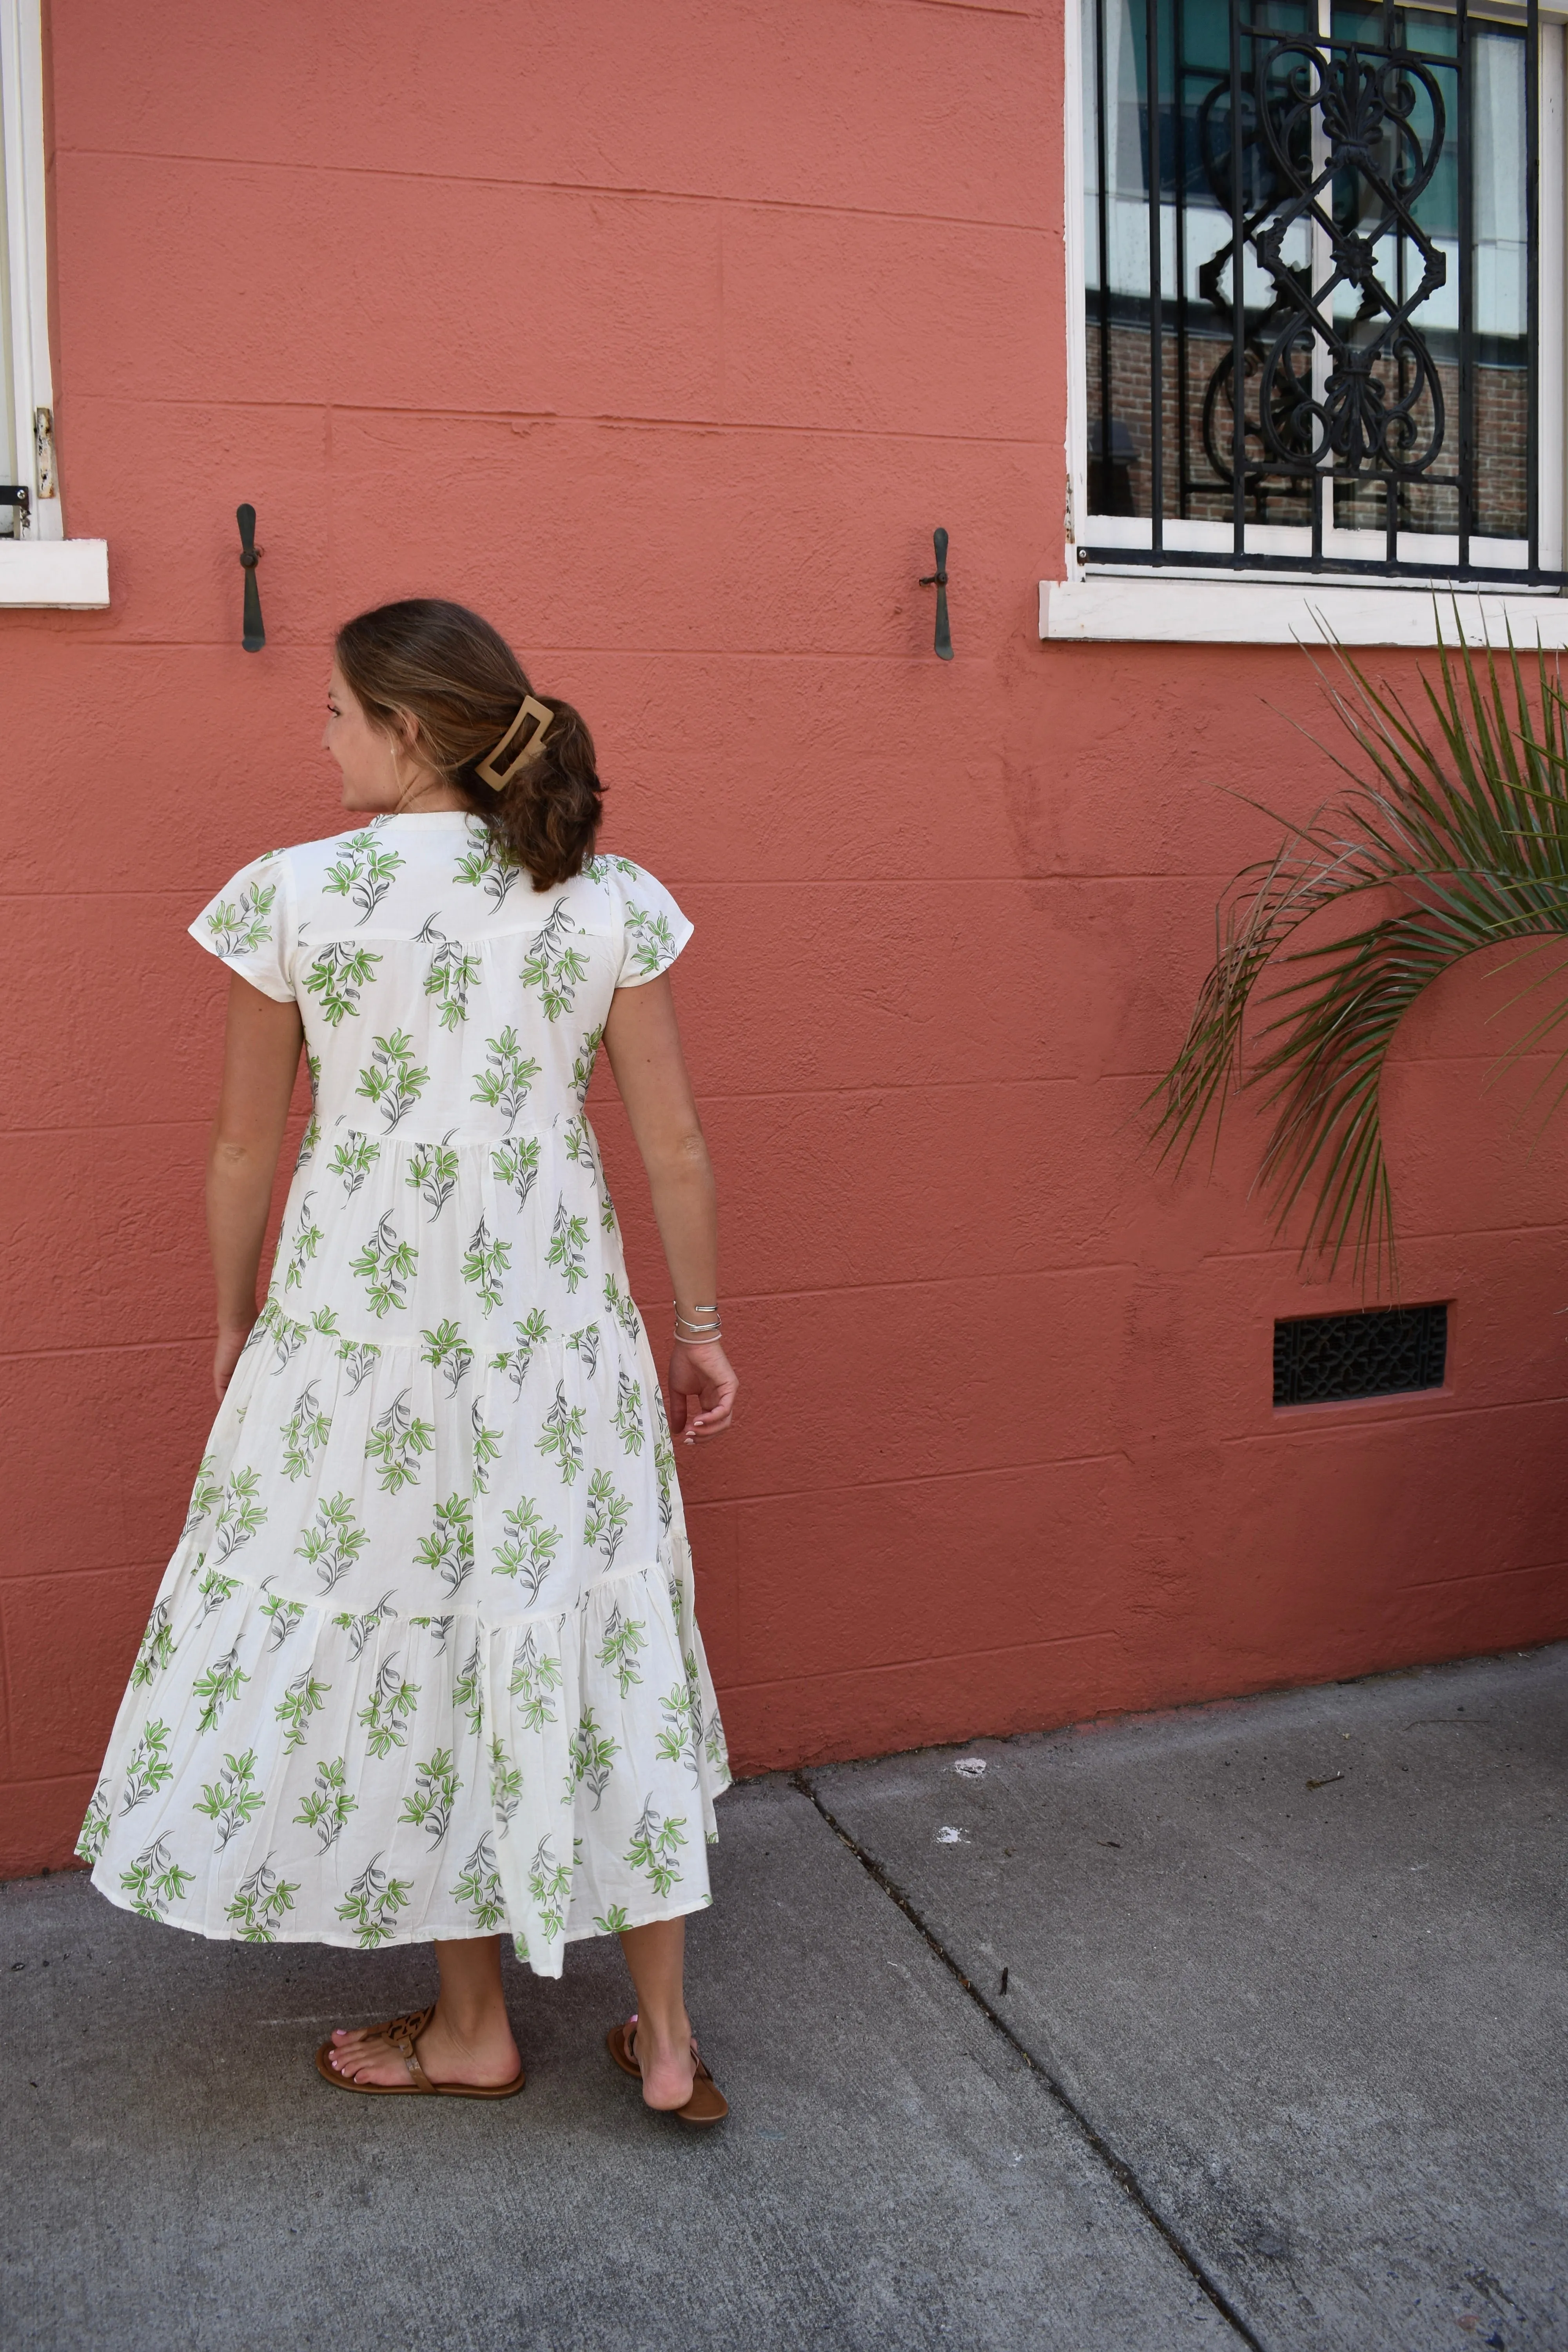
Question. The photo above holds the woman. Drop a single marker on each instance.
(424, 1664)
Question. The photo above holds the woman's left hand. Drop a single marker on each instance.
(702, 1384)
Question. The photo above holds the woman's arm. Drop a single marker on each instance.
(261, 1055)
(644, 1047)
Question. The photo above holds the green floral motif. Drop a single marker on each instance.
(352, 1161)
(628, 1413)
(439, 1627)
(214, 1591)
(650, 939)
(447, 1351)
(479, 1886)
(577, 1138)
(453, 972)
(449, 1548)
(95, 1828)
(562, 1435)
(359, 1629)
(536, 1676)
(615, 1922)
(486, 1262)
(239, 926)
(487, 1447)
(373, 1903)
(505, 1084)
(433, 1174)
(287, 1335)
(327, 1805)
(233, 1796)
(585, 1343)
(362, 872)
(307, 1239)
(219, 1685)
(623, 1306)
(582, 1068)
(157, 1647)
(679, 1738)
(387, 1266)
(656, 1842)
(149, 1768)
(391, 1699)
(549, 1884)
(313, 1072)
(304, 1433)
(624, 1637)
(568, 1246)
(259, 1901)
(309, 1139)
(392, 1079)
(358, 1357)
(516, 1162)
(530, 1334)
(239, 1514)
(528, 1549)
(300, 1702)
(337, 976)
(204, 1493)
(282, 1616)
(428, 1805)
(480, 868)
(606, 1208)
(506, 1790)
(468, 1691)
(396, 1443)
(153, 1881)
(551, 967)
(333, 1544)
(607, 1514)
(608, 862)
(592, 1750)
(664, 1462)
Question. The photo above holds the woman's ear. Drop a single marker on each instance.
(408, 731)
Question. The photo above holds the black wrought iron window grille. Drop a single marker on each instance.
(1375, 1352)
(1337, 209)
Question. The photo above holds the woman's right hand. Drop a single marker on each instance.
(231, 1339)
(702, 1384)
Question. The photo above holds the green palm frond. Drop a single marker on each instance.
(1459, 836)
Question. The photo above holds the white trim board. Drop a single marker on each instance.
(1253, 611)
(58, 571)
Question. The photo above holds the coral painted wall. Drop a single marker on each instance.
(665, 336)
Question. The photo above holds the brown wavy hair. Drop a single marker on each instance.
(460, 683)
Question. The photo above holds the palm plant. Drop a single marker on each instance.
(1463, 825)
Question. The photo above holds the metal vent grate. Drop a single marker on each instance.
(1330, 1358)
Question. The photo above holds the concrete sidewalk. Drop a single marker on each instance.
(1262, 2042)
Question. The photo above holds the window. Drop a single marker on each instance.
(1355, 214)
(38, 565)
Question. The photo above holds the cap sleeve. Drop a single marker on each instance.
(654, 929)
(248, 925)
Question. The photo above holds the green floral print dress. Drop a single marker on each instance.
(424, 1662)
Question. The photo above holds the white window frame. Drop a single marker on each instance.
(42, 566)
(1133, 602)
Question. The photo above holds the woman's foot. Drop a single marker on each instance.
(667, 2061)
(484, 2053)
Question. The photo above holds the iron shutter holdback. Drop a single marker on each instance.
(250, 555)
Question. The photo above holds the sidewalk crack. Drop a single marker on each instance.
(1120, 2171)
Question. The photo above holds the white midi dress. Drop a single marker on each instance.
(425, 1662)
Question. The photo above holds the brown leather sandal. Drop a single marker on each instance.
(404, 2032)
(707, 2104)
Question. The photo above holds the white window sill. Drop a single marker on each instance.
(67, 572)
(1265, 610)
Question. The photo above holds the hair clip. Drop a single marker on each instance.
(498, 778)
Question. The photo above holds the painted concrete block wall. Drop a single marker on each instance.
(665, 336)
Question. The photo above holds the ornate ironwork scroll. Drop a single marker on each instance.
(1339, 140)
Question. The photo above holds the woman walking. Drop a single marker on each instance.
(424, 1664)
